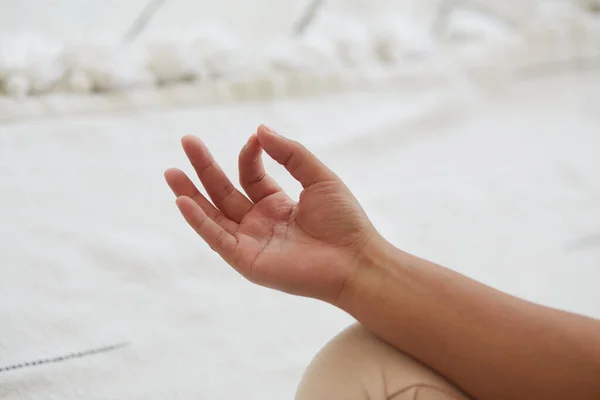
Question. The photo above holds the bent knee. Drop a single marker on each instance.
(356, 365)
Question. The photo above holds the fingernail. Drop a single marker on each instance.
(270, 130)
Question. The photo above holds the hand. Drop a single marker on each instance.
(309, 248)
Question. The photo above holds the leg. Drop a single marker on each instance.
(356, 365)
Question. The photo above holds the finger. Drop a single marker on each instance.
(233, 204)
(181, 185)
(253, 177)
(300, 163)
(215, 236)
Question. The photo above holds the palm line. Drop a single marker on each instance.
(271, 236)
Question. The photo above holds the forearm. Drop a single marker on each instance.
(492, 345)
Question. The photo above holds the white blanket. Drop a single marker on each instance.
(499, 182)
(93, 251)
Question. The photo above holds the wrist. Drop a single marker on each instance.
(376, 263)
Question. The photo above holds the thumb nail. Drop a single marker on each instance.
(270, 130)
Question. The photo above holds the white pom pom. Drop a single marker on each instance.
(284, 56)
(219, 51)
(34, 60)
(172, 57)
(467, 25)
(17, 86)
(172, 62)
(319, 52)
(44, 76)
(354, 49)
(110, 68)
(80, 82)
(395, 38)
(348, 35)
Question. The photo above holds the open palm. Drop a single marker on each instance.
(305, 248)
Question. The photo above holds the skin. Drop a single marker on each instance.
(488, 343)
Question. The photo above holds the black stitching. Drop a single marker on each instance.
(64, 357)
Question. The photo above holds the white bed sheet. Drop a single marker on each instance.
(502, 187)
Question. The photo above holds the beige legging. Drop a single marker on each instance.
(356, 365)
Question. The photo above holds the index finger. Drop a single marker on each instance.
(232, 203)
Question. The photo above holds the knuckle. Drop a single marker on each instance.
(258, 178)
(227, 190)
(287, 159)
(218, 217)
(219, 241)
(209, 165)
(198, 225)
(292, 163)
(251, 180)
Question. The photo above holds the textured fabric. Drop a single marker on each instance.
(501, 186)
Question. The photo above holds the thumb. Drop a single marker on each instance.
(304, 166)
